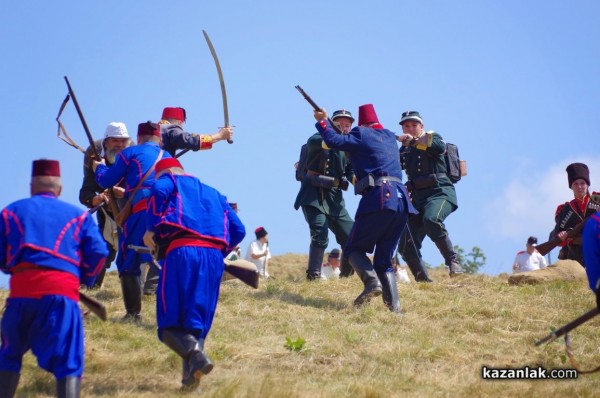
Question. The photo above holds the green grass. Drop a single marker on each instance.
(451, 328)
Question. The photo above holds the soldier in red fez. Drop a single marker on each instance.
(328, 173)
(198, 227)
(116, 138)
(174, 137)
(135, 166)
(384, 207)
(570, 214)
(48, 247)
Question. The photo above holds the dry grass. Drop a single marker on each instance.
(450, 330)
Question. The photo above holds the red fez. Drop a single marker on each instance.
(45, 167)
(367, 115)
(166, 163)
(149, 128)
(260, 232)
(174, 113)
(576, 171)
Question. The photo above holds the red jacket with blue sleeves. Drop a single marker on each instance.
(371, 151)
(130, 165)
(181, 205)
(47, 232)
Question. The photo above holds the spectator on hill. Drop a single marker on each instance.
(529, 259)
(331, 268)
(258, 252)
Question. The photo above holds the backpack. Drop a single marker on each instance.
(453, 163)
(301, 165)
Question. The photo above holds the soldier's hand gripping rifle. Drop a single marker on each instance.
(317, 108)
(546, 247)
(95, 155)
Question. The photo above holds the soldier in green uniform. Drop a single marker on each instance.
(328, 172)
(432, 194)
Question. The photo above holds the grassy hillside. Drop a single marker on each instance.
(450, 330)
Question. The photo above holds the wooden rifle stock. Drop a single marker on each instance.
(546, 247)
(317, 108)
(569, 326)
(94, 305)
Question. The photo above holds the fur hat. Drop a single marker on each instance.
(260, 232)
(576, 171)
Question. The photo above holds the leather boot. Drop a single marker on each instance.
(364, 269)
(450, 258)
(418, 269)
(187, 347)
(8, 383)
(315, 260)
(389, 290)
(346, 269)
(68, 387)
(132, 296)
(150, 279)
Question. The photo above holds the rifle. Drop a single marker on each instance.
(546, 247)
(94, 305)
(246, 274)
(113, 200)
(569, 326)
(317, 108)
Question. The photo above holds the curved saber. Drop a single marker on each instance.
(221, 80)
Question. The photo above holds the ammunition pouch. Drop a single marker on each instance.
(364, 184)
(321, 181)
(424, 181)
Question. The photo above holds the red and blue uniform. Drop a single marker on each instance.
(130, 166)
(383, 209)
(200, 228)
(48, 247)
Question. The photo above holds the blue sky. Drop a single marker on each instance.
(514, 84)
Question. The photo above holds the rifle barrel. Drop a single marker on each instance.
(83, 122)
(569, 326)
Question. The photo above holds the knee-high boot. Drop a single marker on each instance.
(132, 296)
(389, 290)
(8, 383)
(150, 278)
(196, 362)
(418, 269)
(68, 387)
(364, 269)
(315, 260)
(450, 258)
(346, 269)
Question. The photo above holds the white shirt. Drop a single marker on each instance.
(257, 247)
(528, 262)
(329, 272)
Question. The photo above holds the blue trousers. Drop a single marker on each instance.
(51, 327)
(188, 290)
(128, 261)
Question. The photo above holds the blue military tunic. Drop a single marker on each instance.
(200, 227)
(48, 247)
(130, 166)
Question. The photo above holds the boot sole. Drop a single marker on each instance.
(364, 298)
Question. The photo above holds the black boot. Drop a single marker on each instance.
(450, 258)
(315, 260)
(8, 383)
(364, 269)
(68, 387)
(389, 290)
(346, 269)
(132, 297)
(187, 347)
(150, 279)
(418, 269)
